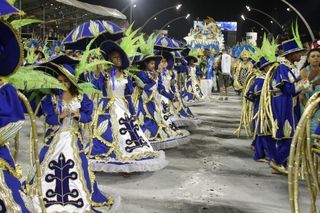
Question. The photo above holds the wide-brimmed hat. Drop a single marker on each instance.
(147, 58)
(177, 55)
(169, 57)
(108, 47)
(166, 43)
(185, 51)
(55, 70)
(190, 57)
(290, 46)
(263, 62)
(135, 59)
(64, 59)
(11, 50)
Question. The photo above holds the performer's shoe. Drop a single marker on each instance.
(220, 98)
(278, 168)
(226, 98)
(262, 160)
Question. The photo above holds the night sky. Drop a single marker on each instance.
(225, 10)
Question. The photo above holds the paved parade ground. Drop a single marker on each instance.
(214, 173)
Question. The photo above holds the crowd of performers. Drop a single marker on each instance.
(112, 105)
(274, 94)
(112, 100)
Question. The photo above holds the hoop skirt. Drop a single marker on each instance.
(68, 185)
(159, 129)
(119, 144)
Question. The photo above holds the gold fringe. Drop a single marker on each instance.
(4, 165)
(302, 158)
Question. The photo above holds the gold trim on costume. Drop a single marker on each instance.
(6, 195)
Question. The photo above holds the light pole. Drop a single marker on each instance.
(128, 6)
(258, 23)
(302, 18)
(266, 14)
(131, 6)
(177, 7)
(175, 19)
(131, 11)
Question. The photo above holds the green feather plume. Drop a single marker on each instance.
(31, 56)
(97, 62)
(296, 35)
(26, 78)
(194, 53)
(265, 43)
(84, 66)
(269, 49)
(37, 95)
(81, 67)
(17, 24)
(26, 43)
(256, 55)
(89, 89)
(147, 46)
(12, 2)
(129, 43)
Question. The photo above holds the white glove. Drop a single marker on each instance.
(303, 85)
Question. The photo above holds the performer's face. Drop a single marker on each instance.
(64, 80)
(245, 58)
(78, 54)
(314, 58)
(164, 63)
(151, 65)
(115, 58)
(294, 57)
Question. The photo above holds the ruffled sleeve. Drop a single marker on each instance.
(99, 83)
(149, 83)
(285, 80)
(86, 110)
(47, 107)
(282, 75)
(163, 91)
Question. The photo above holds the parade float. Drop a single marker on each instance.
(207, 39)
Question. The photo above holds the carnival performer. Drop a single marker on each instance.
(12, 197)
(161, 132)
(179, 71)
(67, 182)
(285, 107)
(242, 68)
(169, 98)
(119, 144)
(192, 81)
(182, 69)
(264, 144)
